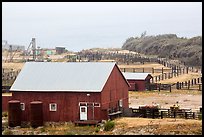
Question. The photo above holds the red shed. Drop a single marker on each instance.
(77, 91)
(138, 81)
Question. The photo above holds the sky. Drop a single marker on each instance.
(84, 25)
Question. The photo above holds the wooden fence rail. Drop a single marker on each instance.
(165, 113)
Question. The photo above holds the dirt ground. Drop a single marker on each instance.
(186, 98)
(166, 126)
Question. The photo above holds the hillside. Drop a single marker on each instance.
(168, 46)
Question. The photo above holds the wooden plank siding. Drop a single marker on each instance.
(5, 100)
(115, 89)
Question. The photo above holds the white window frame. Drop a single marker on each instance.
(22, 106)
(120, 103)
(50, 106)
(98, 105)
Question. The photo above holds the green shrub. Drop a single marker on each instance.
(7, 132)
(42, 129)
(200, 116)
(4, 114)
(109, 125)
(69, 133)
(97, 129)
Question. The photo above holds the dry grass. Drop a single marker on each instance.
(181, 78)
(15, 66)
(146, 65)
(6, 94)
(164, 126)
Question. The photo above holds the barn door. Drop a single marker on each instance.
(83, 112)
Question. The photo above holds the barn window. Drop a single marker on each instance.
(23, 106)
(120, 103)
(82, 104)
(96, 104)
(53, 107)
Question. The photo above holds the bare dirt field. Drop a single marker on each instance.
(186, 98)
(166, 126)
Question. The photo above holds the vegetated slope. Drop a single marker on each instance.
(168, 46)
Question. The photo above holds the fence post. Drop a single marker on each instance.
(192, 82)
(161, 114)
(195, 81)
(124, 69)
(174, 114)
(187, 70)
(180, 85)
(162, 70)
(133, 69)
(199, 87)
(159, 77)
(198, 80)
(152, 70)
(159, 87)
(172, 70)
(189, 84)
(185, 115)
(170, 88)
(153, 113)
(193, 115)
(143, 70)
(177, 85)
(186, 83)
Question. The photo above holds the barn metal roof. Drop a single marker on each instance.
(135, 76)
(63, 76)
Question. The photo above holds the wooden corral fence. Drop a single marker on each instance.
(163, 113)
(159, 86)
(8, 76)
(165, 73)
(190, 83)
(130, 58)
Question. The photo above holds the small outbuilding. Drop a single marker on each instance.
(138, 81)
(72, 91)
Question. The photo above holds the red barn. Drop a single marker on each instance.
(138, 81)
(74, 91)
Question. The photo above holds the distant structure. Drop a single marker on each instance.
(138, 81)
(60, 50)
(12, 50)
(7, 46)
(31, 50)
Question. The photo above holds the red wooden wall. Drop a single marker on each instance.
(115, 89)
(5, 100)
(140, 85)
(67, 104)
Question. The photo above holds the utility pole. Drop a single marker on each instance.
(10, 51)
(34, 48)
